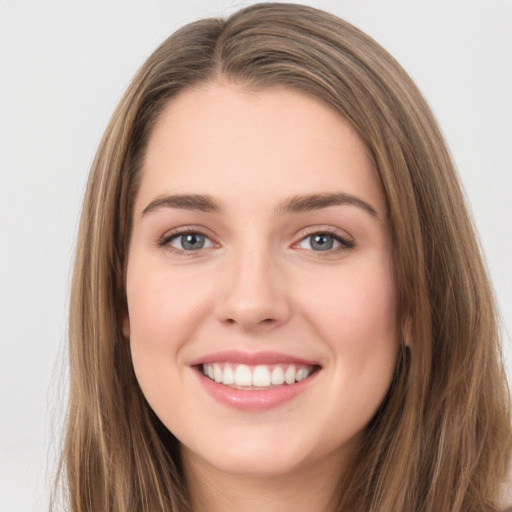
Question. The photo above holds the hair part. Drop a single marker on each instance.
(442, 438)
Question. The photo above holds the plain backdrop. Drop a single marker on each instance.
(63, 67)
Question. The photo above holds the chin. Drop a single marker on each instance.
(255, 456)
(259, 465)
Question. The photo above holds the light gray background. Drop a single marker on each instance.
(64, 65)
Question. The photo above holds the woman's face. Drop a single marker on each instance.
(261, 298)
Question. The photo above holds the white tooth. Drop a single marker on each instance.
(289, 375)
(301, 374)
(217, 373)
(243, 376)
(208, 370)
(228, 376)
(261, 376)
(277, 376)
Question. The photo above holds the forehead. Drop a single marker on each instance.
(224, 140)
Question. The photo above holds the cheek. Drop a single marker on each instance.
(163, 306)
(355, 313)
(165, 310)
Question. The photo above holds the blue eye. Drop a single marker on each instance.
(189, 241)
(324, 242)
(321, 242)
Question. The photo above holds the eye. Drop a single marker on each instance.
(190, 241)
(324, 242)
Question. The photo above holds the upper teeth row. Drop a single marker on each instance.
(257, 376)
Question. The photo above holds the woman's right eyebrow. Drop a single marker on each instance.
(201, 202)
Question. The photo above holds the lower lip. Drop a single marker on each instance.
(253, 399)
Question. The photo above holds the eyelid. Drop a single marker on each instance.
(164, 240)
(346, 241)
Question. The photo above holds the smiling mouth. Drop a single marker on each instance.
(256, 377)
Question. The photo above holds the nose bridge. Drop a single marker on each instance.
(253, 291)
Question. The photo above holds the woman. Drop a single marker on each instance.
(278, 299)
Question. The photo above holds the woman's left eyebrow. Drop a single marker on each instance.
(302, 203)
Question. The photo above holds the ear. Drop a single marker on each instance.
(126, 326)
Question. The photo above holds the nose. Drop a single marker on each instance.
(254, 293)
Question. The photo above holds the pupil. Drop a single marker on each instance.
(192, 241)
(322, 242)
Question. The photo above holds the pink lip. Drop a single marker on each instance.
(251, 358)
(253, 400)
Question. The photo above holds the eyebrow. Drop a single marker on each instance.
(302, 203)
(295, 204)
(201, 202)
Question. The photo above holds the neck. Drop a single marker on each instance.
(308, 488)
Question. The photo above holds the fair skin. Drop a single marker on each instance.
(260, 243)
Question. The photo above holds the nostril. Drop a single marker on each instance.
(265, 321)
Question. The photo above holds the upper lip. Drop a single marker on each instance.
(251, 358)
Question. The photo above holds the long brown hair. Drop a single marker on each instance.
(442, 438)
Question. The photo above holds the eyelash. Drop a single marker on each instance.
(345, 242)
(187, 230)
